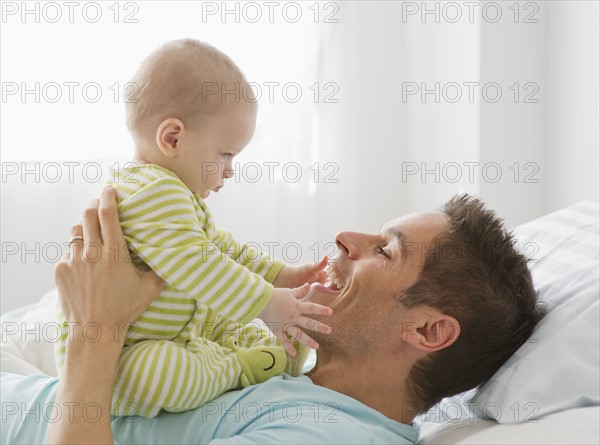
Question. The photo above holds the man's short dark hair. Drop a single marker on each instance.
(475, 274)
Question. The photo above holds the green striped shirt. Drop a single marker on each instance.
(172, 231)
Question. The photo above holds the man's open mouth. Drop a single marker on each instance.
(334, 282)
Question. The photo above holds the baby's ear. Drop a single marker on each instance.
(167, 136)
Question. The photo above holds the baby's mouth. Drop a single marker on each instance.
(334, 282)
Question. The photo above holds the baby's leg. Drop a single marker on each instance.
(255, 336)
(254, 333)
(155, 375)
(257, 349)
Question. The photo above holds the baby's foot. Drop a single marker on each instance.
(259, 363)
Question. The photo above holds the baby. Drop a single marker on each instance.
(195, 342)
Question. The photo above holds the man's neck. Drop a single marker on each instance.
(370, 384)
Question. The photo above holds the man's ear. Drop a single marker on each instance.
(167, 136)
(431, 330)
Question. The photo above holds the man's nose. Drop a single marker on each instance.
(348, 244)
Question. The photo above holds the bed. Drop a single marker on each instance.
(547, 392)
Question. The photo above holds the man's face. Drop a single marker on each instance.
(373, 270)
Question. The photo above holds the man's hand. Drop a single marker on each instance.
(97, 282)
(97, 286)
(286, 314)
(296, 276)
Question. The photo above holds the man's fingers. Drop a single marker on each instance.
(91, 225)
(109, 218)
(76, 242)
(77, 229)
(314, 309)
(154, 284)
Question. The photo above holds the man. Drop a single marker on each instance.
(430, 306)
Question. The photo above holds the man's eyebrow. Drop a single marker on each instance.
(399, 236)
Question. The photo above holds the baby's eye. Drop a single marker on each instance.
(382, 252)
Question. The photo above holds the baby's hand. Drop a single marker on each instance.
(286, 314)
(295, 276)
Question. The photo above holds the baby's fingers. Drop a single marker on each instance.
(287, 344)
(302, 291)
(321, 275)
(303, 338)
(314, 309)
(313, 325)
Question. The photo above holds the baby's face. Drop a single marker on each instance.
(206, 158)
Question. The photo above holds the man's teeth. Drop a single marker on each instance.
(334, 278)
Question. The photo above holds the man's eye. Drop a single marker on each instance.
(382, 252)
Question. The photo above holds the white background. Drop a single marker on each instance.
(364, 133)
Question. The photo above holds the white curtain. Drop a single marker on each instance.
(374, 137)
(531, 151)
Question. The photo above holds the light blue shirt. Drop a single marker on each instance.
(282, 410)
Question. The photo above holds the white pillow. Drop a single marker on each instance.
(573, 426)
(28, 338)
(558, 367)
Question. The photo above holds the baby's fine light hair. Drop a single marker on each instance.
(184, 79)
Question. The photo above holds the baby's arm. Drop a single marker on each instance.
(250, 257)
(294, 276)
(274, 271)
(285, 313)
